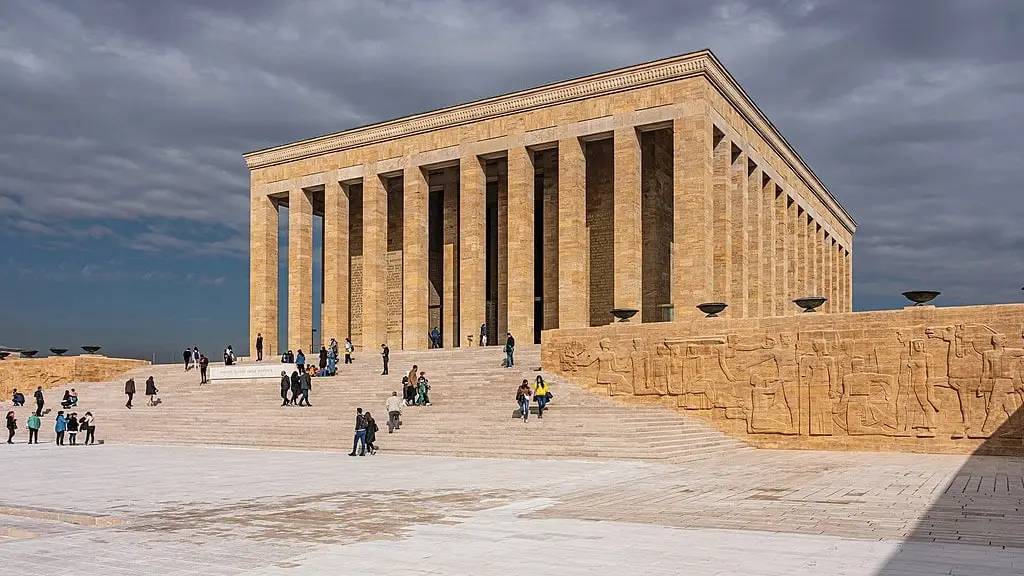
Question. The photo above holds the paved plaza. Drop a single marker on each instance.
(126, 510)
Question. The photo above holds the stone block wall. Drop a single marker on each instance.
(921, 379)
(26, 374)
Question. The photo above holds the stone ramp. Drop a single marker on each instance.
(472, 413)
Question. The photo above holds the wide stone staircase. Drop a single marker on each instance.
(472, 412)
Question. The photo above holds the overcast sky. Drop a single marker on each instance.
(123, 195)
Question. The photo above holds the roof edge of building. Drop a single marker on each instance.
(698, 63)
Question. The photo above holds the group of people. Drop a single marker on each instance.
(193, 358)
(151, 391)
(539, 392)
(70, 425)
(416, 388)
(298, 384)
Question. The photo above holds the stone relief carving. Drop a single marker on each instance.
(950, 381)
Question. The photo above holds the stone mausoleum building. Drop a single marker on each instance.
(654, 187)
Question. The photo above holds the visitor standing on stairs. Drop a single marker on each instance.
(204, 367)
(296, 387)
(413, 373)
(129, 391)
(259, 346)
(542, 395)
(408, 391)
(151, 391)
(394, 408)
(88, 425)
(286, 384)
(359, 441)
(323, 358)
(306, 384)
(39, 401)
(349, 349)
(523, 399)
(384, 353)
(300, 361)
(423, 390)
(510, 348)
(33, 429)
(60, 425)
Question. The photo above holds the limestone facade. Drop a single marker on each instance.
(919, 379)
(655, 187)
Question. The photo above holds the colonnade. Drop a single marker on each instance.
(739, 232)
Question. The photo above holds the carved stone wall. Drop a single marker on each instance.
(26, 374)
(921, 379)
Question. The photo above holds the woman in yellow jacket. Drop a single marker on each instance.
(542, 395)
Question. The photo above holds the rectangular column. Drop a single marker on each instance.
(472, 247)
(693, 218)
(375, 227)
(573, 237)
(300, 270)
(819, 251)
(755, 204)
(263, 266)
(799, 252)
(849, 280)
(626, 235)
(335, 322)
(722, 234)
(449, 253)
(739, 295)
(828, 273)
(768, 279)
(415, 303)
(520, 245)
(782, 247)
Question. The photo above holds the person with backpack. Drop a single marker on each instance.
(60, 425)
(542, 395)
(33, 428)
(88, 425)
(371, 433)
(523, 399)
(394, 408)
(359, 440)
(12, 425)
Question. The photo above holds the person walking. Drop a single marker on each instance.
(286, 384)
(523, 398)
(423, 390)
(151, 391)
(195, 356)
(73, 429)
(385, 352)
(296, 386)
(483, 334)
(510, 348)
(129, 391)
(204, 367)
(259, 347)
(12, 425)
(408, 391)
(349, 348)
(542, 395)
(33, 429)
(60, 425)
(88, 425)
(305, 384)
(413, 373)
(359, 440)
(39, 401)
(300, 361)
(186, 355)
(371, 433)
(435, 337)
(394, 408)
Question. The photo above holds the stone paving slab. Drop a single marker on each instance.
(189, 510)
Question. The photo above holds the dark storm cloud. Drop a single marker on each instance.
(123, 122)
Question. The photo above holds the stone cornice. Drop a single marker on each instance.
(670, 69)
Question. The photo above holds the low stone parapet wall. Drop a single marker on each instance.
(26, 374)
(923, 379)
